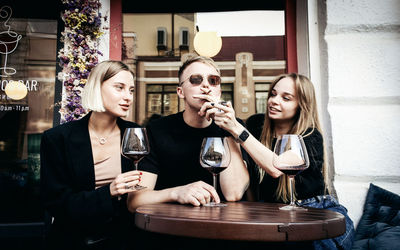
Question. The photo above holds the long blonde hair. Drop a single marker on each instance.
(305, 118)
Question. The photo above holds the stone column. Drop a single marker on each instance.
(244, 85)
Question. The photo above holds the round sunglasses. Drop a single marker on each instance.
(196, 79)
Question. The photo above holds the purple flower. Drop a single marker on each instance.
(77, 46)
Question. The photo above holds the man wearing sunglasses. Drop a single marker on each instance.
(172, 172)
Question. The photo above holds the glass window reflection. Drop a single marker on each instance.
(23, 121)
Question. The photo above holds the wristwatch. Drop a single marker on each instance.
(243, 136)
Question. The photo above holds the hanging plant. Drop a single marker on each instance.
(83, 29)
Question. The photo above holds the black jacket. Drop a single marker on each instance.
(81, 213)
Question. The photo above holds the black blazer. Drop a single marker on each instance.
(68, 185)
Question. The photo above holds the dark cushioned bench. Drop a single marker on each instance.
(379, 226)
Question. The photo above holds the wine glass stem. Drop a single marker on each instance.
(215, 181)
(291, 191)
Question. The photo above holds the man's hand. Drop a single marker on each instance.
(196, 193)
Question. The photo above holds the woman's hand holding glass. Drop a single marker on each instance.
(125, 183)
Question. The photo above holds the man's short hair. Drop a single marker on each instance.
(91, 96)
(196, 58)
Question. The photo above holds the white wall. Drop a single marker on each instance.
(104, 43)
(357, 72)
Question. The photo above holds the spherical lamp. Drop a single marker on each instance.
(207, 43)
(16, 90)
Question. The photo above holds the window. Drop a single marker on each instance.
(161, 99)
(227, 92)
(261, 90)
(22, 122)
(184, 38)
(161, 38)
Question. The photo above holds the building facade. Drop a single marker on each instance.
(247, 64)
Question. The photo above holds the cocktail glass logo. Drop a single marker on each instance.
(8, 41)
(15, 90)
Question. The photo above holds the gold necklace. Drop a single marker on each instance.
(102, 140)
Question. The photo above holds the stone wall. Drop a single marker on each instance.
(360, 62)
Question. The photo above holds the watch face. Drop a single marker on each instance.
(244, 135)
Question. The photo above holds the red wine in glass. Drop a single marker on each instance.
(135, 156)
(294, 170)
(290, 157)
(135, 146)
(215, 157)
(215, 170)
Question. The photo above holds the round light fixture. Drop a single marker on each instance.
(207, 43)
(16, 90)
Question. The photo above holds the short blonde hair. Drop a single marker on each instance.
(91, 97)
(196, 58)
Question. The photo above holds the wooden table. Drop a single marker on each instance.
(248, 221)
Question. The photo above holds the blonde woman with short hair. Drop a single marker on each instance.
(84, 178)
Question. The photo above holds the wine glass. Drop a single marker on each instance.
(290, 157)
(215, 157)
(135, 146)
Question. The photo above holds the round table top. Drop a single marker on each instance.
(251, 221)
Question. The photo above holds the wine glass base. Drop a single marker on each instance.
(292, 208)
(213, 204)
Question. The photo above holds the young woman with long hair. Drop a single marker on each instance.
(291, 109)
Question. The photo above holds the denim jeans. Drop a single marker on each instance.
(344, 241)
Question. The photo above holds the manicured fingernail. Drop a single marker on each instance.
(141, 173)
(212, 104)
